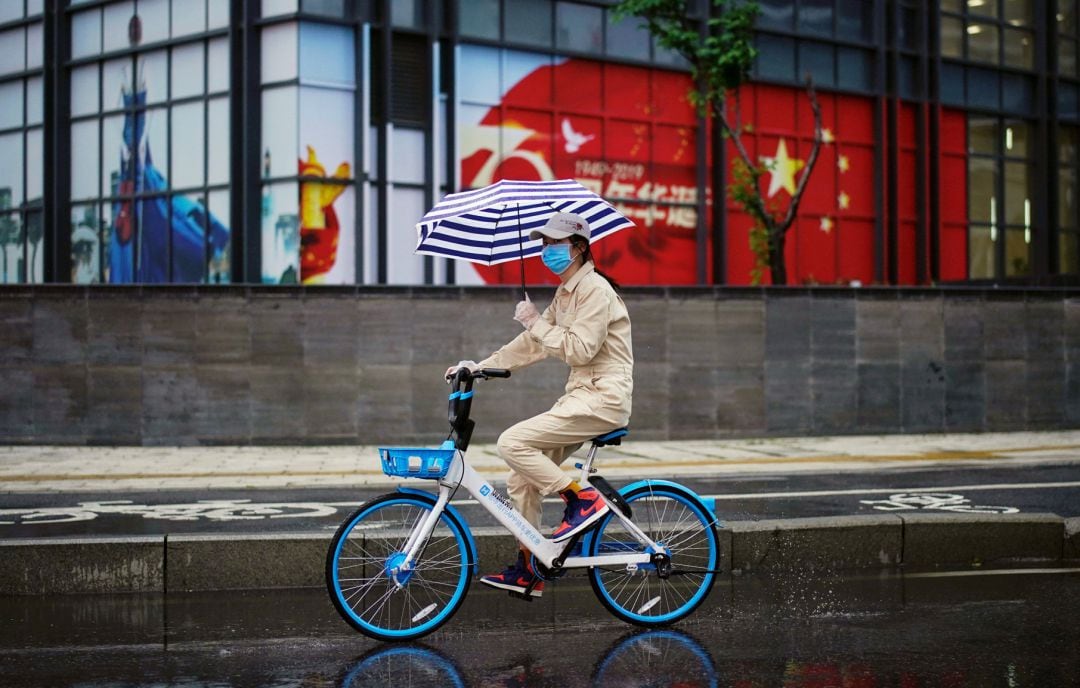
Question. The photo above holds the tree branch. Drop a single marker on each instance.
(793, 205)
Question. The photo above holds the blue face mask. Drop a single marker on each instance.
(556, 257)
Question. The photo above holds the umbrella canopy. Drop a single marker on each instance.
(491, 225)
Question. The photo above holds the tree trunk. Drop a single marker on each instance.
(777, 269)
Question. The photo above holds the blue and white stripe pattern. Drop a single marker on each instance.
(482, 225)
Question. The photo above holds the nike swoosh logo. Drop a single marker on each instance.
(595, 506)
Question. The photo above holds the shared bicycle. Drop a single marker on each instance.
(399, 567)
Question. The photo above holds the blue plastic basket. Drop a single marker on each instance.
(409, 462)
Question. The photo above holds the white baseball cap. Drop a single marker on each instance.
(562, 225)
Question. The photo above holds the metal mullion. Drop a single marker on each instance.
(147, 47)
(206, 154)
(169, 190)
(932, 53)
(382, 164)
(430, 127)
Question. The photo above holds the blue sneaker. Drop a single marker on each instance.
(582, 510)
(516, 578)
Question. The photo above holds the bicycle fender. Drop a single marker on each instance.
(456, 515)
(708, 502)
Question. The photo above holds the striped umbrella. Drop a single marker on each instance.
(491, 225)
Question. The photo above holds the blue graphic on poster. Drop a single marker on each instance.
(144, 227)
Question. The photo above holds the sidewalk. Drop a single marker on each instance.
(101, 469)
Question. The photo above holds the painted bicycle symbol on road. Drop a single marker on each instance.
(208, 510)
(935, 501)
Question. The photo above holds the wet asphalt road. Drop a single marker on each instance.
(1052, 488)
(959, 629)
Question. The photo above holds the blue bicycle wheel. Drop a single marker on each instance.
(645, 594)
(367, 549)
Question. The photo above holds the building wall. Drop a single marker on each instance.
(179, 365)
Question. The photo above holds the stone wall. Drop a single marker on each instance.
(188, 365)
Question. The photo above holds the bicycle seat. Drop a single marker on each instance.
(614, 437)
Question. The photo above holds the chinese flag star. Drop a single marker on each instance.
(782, 170)
(826, 224)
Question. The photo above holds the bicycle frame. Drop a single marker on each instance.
(546, 551)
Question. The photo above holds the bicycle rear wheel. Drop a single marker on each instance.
(370, 543)
(676, 520)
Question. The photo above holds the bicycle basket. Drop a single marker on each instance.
(408, 462)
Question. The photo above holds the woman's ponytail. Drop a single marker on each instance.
(586, 254)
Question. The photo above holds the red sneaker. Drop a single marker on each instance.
(582, 510)
(516, 578)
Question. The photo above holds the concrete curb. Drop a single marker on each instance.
(189, 563)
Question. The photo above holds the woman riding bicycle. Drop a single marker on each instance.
(588, 327)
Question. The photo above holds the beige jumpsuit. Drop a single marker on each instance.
(586, 326)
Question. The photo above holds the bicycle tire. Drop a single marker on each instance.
(677, 520)
(371, 539)
(656, 657)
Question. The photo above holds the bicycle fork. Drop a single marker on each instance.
(418, 539)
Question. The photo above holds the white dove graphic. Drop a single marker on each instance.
(574, 140)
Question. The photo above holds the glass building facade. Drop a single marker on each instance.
(298, 141)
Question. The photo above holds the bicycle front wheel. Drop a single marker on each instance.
(677, 521)
(368, 591)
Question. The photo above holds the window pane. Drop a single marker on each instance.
(906, 73)
(627, 38)
(1018, 12)
(403, 266)
(1018, 93)
(952, 84)
(479, 69)
(35, 159)
(1019, 49)
(1017, 253)
(479, 18)
(1066, 16)
(1067, 198)
(982, 190)
(1067, 140)
(663, 56)
(1016, 139)
(1069, 259)
(952, 37)
(12, 51)
(983, 88)
(11, 104)
(10, 11)
(116, 80)
(84, 90)
(85, 245)
(187, 70)
(855, 69)
(117, 18)
(336, 8)
(11, 239)
(817, 59)
(35, 49)
(157, 148)
(188, 17)
(280, 127)
(155, 20)
(1067, 57)
(987, 8)
(188, 145)
(86, 33)
(982, 135)
(578, 27)
(155, 75)
(272, 8)
(114, 151)
(218, 61)
(854, 21)
(776, 57)
(327, 54)
(279, 53)
(281, 234)
(407, 13)
(528, 21)
(35, 100)
(1018, 194)
(218, 11)
(816, 17)
(217, 142)
(35, 7)
(776, 14)
(408, 163)
(1067, 95)
(956, 6)
(84, 160)
(11, 173)
(983, 43)
(219, 269)
(980, 252)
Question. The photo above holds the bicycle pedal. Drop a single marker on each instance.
(521, 596)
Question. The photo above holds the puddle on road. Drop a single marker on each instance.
(754, 631)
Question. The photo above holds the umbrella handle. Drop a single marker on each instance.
(521, 255)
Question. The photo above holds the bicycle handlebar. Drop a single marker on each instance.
(461, 383)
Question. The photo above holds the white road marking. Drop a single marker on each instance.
(992, 572)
